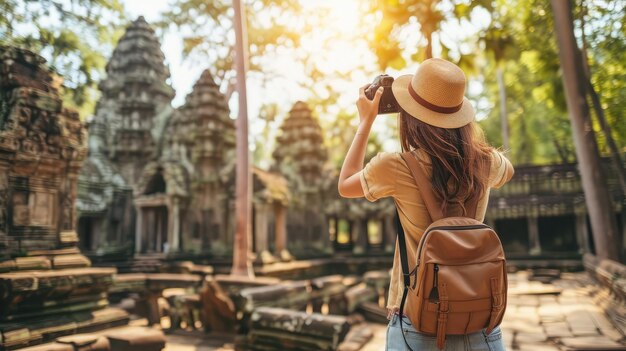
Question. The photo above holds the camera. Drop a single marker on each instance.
(388, 103)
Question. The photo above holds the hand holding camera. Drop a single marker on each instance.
(368, 108)
(388, 103)
(377, 98)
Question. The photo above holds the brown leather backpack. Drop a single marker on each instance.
(459, 283)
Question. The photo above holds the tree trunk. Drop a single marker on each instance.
(429, 45)
(606, 130)
(597, 196)
(242, 265)
(597, 106)
(504, 120)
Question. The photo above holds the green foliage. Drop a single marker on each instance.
(75, 36)
(208, 35)
(605, 43)
(399, 21)
(519, 39)
(539, 127)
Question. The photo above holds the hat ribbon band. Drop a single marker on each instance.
(441, 109)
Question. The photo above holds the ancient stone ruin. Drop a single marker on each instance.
(196, 168)
(301, 157)
(47, 287)
(159, 182)
(104, 200)
(136, 100)
(155, 197)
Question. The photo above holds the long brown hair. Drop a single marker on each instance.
(459, 154)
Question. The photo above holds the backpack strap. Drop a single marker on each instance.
(425, 187)
(404, 261)
(406, 276)
(442, 316)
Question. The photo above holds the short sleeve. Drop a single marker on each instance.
(501, 170)
(378, 178)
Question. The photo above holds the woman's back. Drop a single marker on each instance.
(438, 123)
(387, 175)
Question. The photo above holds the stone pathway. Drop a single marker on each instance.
(563, 315)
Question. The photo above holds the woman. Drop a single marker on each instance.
(437, 124)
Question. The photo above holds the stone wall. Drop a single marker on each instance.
(47, 288)
(42, 146)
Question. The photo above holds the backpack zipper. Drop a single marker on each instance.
(459, 227)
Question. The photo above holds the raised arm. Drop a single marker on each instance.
(349, 183)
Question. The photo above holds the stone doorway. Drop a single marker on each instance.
(155, 229)
(340, 234)
(85, 231)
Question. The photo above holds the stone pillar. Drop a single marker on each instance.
(222, 216)
(261, 214)
(158, 233)
(138, 230)
(327, 245)
(582, 234)
(173, 237)
(230, 223)
(260, 227)
(280, 220)
(533, 235)
(359, 232)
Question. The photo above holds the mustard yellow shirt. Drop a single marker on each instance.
(388, 175)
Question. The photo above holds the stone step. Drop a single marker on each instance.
(21, 334)
(117, 339)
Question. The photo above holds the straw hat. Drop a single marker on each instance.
(435, 94)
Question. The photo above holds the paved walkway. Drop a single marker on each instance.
(563, 315)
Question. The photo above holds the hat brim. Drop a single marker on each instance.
(458, 119)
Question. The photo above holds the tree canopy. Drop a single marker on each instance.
(518, 37)
(77, 36)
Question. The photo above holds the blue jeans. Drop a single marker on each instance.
(479, 341)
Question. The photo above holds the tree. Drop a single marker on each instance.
(601, 119)
(75, 36)
(394, 17)
(206, 29)
(539, 128)
(597, 197)
(499, 42)
(242, 266)
(515, 58)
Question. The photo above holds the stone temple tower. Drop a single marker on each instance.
(300, 156)
(188, 187)
(209, 132)
(136, 99)
(203, 138)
